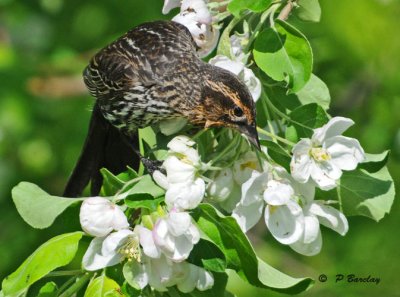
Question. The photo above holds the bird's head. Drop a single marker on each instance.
(226, 102)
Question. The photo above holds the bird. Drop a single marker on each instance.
(153, 73)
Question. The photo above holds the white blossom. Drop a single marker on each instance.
(184, 190)
(204, 35)
(174, 236)
(323, 157)
(290, 212)
(111, 250)
(98, 217)
(244, 73)
(199, 10)
(162, 273)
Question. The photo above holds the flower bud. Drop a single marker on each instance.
(99, 216)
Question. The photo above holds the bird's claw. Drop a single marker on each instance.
(152, 165)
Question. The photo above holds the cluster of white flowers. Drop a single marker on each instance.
(195, 15)
(157, 248)
(290, 211)
(184, 188)
(287, 200)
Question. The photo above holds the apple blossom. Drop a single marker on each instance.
(205, 35)
(99, 216)
(173, 235)
(323, 157)
(111, 250)
(162, 273)
(184, 190)
(244, 73)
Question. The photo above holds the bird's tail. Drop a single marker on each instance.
(104, 146)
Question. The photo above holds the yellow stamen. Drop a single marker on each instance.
(131, 249)
(250, 164)
(319, 154)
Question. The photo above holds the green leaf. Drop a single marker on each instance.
(111, 183)
(38, 208)
(367, 194)
(308, 117)
(277, 153)
(315, 91)
(284, 53)
(103, 286)
(56, 252)
(143, 201)
(130, 270)
(309, 10)
(48, 290)
(374, 162)
(224, 45)
(240, 256)
(236, 6)
(146, 185)
(206, 254)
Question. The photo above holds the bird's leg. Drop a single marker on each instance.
(150, 165)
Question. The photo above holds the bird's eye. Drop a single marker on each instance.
(237, 111)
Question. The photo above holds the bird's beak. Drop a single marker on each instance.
(251, 132)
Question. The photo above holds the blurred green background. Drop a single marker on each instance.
(44, 113)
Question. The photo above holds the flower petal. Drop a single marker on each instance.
(178, 222)
(205, 280)
(345, 152)
(248, 215)
(253, 188)
(311, 228)
(335, 126)
(321, 173)
(330, 217)
(185, 195)
(285, 222)
(278, 192)
(147, 242)
(178, 171)
(301, 164)
(308, 249)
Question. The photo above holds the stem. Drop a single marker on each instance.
(263, 17)
(273, 136)
(77, 286)
(119, 196)
(66, 284)
(63, 273)
(226, 149)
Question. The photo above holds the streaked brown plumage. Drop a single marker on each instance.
(150, 74)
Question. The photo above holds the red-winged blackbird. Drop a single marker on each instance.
(150, 74)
